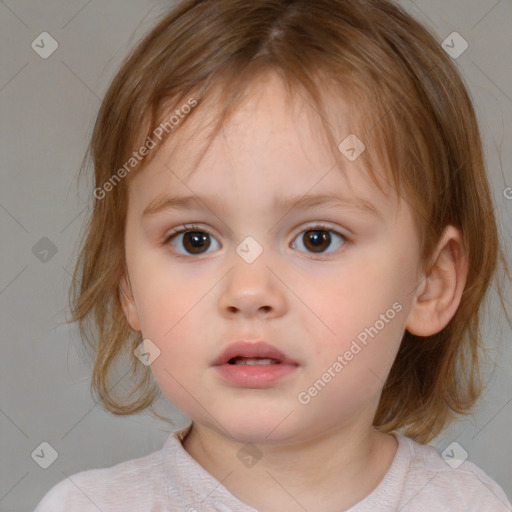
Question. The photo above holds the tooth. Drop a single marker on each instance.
(254, 361)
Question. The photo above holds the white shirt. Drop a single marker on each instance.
(170, 480)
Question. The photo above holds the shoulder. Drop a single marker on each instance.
(111, 489)
(433, 483)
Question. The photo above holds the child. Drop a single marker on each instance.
(293, 233)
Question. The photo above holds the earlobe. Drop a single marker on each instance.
(441, 291)
(128, 303)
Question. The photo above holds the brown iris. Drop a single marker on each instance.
(315, 239)
(196, 241)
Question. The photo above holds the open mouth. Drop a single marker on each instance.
(252, 361)
(254, 365)
(252, 354)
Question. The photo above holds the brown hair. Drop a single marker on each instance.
(408, 100)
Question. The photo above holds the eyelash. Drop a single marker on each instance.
(194, 227)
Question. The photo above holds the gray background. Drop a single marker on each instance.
(47, 111)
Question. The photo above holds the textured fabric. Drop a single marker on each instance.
(170, 480)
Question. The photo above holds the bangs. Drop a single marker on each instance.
(346, 123)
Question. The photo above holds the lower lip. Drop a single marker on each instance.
(255, 376)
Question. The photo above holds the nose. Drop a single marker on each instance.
(252, 289)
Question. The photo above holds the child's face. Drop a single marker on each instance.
(309, 305)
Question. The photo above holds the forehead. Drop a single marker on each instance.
(272, 140)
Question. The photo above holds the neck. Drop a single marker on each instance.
(332, 472)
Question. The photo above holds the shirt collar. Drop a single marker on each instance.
(190, 487)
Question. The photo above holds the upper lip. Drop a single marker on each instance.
(252, 349)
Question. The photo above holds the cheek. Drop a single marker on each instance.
(359, 318)
(181, 363)
(175, 327)
(171, 301)
(340, 308)
(351, 372)
(167, 292)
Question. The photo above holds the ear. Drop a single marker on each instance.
(440, 293)
(128, 303)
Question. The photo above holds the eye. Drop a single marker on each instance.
(194, 239)
(318, 238)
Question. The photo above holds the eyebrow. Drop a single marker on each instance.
(169, 202)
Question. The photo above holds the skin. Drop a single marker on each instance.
(323, 455)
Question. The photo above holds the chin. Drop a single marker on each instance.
(261, 427)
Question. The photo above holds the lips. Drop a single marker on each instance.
(241, 350)
(255, 365)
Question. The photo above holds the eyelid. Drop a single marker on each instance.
(311, 226)
(187, 227)
(319, 225)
